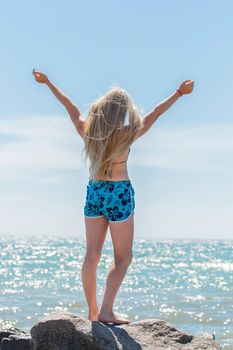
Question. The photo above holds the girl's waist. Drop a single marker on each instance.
(92, 181)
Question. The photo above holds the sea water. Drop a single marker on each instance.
(187, 283)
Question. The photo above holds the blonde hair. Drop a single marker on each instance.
(107, 136)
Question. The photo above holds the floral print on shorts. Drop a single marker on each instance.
(112, 199)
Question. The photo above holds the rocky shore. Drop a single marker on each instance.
(61, 330)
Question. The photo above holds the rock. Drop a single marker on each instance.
(16, 343)
(61, 330)
(15, 339)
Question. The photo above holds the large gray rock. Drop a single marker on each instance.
(64, 331)
(15, 339)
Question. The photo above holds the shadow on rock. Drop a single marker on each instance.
(115, 335)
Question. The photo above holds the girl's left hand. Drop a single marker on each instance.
(186, 87)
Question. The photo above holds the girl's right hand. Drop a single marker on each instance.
(40, 77)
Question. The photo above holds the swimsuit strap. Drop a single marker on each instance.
(123, 160)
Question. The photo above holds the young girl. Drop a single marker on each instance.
(110, 199)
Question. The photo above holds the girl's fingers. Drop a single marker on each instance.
(35, 72)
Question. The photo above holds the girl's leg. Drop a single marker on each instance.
(122, 237)
(96, 229)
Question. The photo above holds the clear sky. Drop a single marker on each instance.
(181, 169)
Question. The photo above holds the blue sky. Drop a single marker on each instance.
(181, 169)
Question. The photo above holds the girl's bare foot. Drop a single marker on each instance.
(113, 317)
(93, 316)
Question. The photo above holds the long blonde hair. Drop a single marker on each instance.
(107, 136)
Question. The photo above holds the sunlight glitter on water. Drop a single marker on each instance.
(188, 283)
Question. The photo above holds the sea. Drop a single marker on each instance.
(188, 283)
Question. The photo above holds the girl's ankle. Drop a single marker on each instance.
(93, 311)
(106, 311)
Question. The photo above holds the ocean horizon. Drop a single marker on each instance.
(188, 283)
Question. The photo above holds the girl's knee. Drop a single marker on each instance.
(124, 260)
(93, 257)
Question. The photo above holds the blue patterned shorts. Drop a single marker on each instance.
(112, 199)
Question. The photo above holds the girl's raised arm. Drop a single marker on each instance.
(148, 120)
(71, 108)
